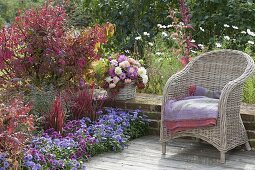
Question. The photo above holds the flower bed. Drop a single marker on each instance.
(82, 139)
(48, 88)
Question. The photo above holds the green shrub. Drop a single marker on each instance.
(211, 15)
(42, 100)
(9, 8)
(249, 90)
(161, 63)
(131, 18)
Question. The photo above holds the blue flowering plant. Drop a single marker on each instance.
(60, 151)
(115, 128)
(82, 139)
(4, 163)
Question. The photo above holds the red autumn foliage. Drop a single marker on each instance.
(15, 126)
(185, 38)
(40, 48)
(55, 118)
(83, 103)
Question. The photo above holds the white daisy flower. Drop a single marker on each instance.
(150, 44)
(251, 42)
(145, 79)
(108, 79)
(235, 27)
(218, 45)
(202, 29)
(142, 71)
(164, 34)
(250, 33)
(159, 53)
(243, 32)
(118, 70)
(146, 34)
(169, 26)
(138, 38)
(201, 46)
(226, 25)
(181, 23)
(226, 37)
(159, 25)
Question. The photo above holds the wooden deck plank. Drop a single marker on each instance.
(172, 161)
(145, 153)
(196, 150)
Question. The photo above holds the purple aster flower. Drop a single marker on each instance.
(42, 159)
(132, 72)
(28, 157)
(3, 156)
(54, 162)
(76, 164)
(73, 156)
(30, 163)
(6, 164)
(122, 58)
(83, 166)
(111, 72)
(122, 76)
(61, 163)
(36, 167)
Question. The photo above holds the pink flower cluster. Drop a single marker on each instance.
(125, 70)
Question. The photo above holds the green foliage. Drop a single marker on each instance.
(42, 100)
(249, 90)
(211, 15)
(131, 18)
(161, 63)
(138, 128)
(9, 8)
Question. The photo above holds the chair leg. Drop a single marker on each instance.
(163, 148)
(222, 157)
(248, 146)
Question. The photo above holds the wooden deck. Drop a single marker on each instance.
(145, 154)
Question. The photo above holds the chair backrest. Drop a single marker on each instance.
(215, 69)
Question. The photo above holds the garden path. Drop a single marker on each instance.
(145, 154)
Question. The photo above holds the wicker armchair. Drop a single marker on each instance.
(224, 70)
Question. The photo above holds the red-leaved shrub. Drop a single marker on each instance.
(55, 118)
(182, 33)
(82, 102)
(16, 126)
(39, 48)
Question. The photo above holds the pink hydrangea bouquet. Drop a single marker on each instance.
(125, 70)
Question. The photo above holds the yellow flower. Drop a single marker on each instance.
(110, 29)
(97, 47)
